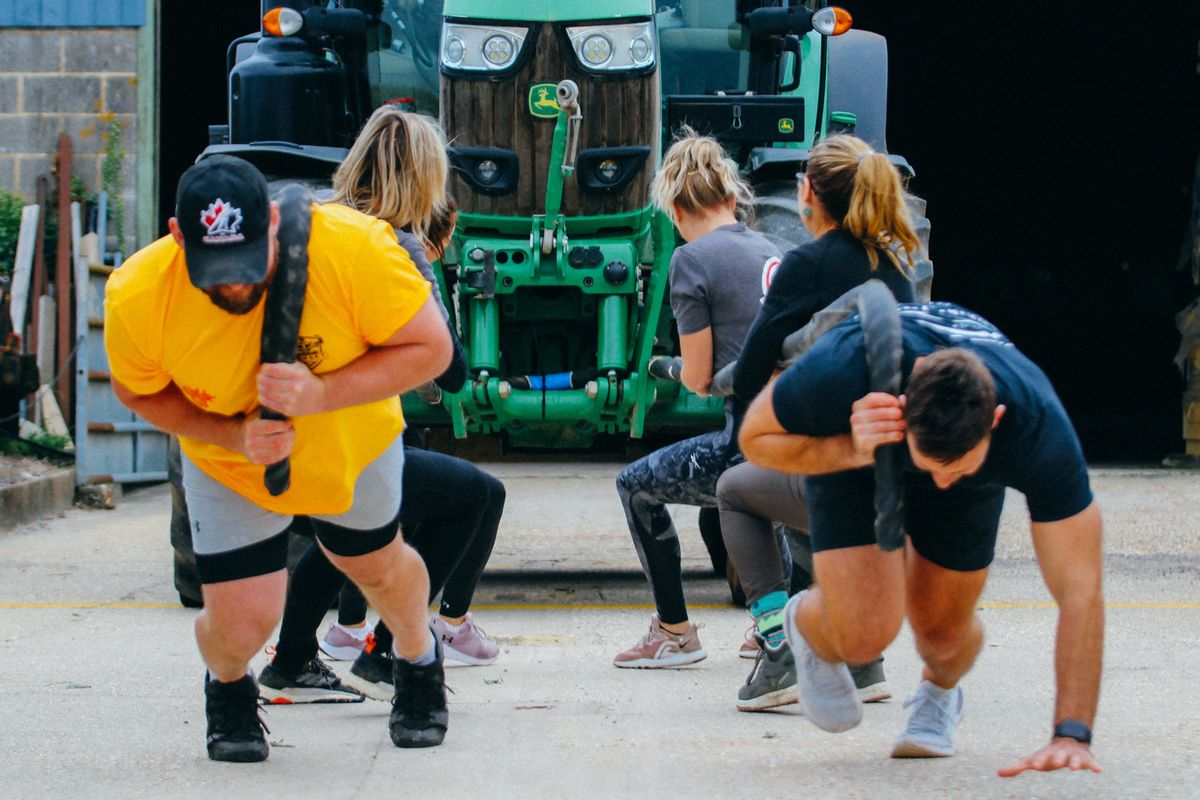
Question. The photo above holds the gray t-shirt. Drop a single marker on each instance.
(717, 281)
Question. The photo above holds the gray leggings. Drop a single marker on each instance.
(750, 498)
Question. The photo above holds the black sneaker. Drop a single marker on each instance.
(772, 681)
(314, 683)
(235, 731)
(870, 682)
(419, 716)
(371, 673)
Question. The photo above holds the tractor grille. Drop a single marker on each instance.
(494, 112)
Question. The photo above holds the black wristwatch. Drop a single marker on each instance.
(1073, 729)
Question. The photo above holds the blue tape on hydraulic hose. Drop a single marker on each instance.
(550, 383)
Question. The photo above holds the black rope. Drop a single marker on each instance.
(876, 307)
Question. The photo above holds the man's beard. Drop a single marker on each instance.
(237, 306)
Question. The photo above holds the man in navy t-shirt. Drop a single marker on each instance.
(977, 416)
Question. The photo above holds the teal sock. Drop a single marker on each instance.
(768, 616)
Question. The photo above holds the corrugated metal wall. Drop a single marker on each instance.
(72, 13)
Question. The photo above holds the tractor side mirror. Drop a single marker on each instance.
(795, 20)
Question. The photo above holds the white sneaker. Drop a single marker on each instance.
(826, 691)
(935, 717)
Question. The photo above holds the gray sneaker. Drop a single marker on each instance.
(871, 682)
(931, 726)
(826, 691)
(772, 681)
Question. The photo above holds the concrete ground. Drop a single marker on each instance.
(100, 692)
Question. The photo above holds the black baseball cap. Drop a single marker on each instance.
(224, 212)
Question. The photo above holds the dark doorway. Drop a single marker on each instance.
(1057, 146)
(192, 83)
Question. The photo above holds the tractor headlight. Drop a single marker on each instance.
(640, 50)
(498, 50)
(487, 171)
(453, 51)
(608, 170)
(596, 50)
(613, 48)
(481, 48)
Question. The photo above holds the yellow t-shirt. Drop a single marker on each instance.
(362, 288)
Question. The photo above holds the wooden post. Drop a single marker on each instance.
(62, 273)
(1191, 406)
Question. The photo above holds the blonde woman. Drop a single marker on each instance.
(716, 280)
(396, 171)
(852, 201)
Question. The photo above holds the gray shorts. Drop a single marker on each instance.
(223, 520)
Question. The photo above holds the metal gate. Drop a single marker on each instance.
(112, 444)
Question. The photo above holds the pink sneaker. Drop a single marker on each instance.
(468, 643)
(344, 644)
(660, 648)
(750, 648)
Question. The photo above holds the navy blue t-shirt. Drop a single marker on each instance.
(1034, 449)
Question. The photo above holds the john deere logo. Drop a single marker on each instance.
(542, 101)
(787, 125)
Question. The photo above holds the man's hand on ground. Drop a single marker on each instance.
(266, 441)
(876, 419)
(1059, 754)
(291, 389)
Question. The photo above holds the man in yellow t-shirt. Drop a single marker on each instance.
(183, 324)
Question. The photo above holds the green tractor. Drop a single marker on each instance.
(557, 112)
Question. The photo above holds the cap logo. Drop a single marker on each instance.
(223, 223)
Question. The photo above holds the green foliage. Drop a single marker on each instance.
(110, 180)
(15, 447)
(53, 441)
(11, 204)
(79, 191)
(44, 446)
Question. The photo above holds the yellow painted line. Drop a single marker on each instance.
(583, 606)
(644, 606)
(1106, 605)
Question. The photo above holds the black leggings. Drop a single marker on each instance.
(449, 512)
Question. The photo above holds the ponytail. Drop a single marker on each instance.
(863, 192)
(696, 175)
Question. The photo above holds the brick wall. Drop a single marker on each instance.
(76, 80)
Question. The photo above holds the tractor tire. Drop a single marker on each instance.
(800, 546)
(923, 269)
(710, 532)
(187, 580)
(777, 215)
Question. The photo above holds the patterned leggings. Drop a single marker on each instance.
(683, 473)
